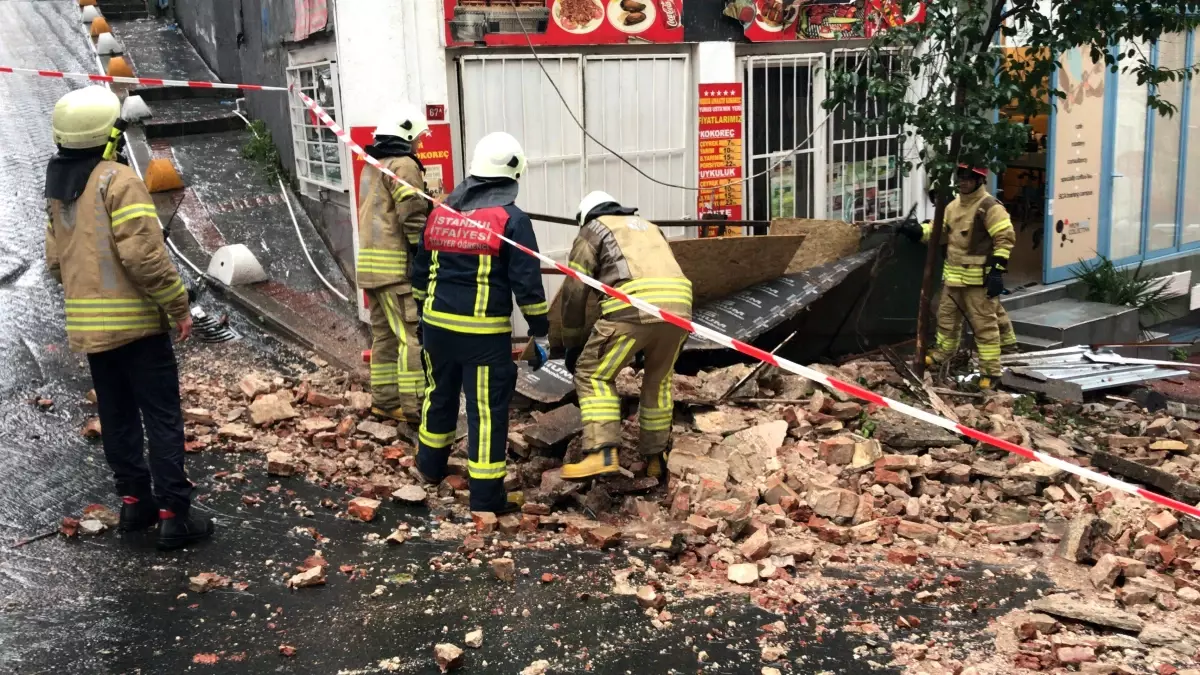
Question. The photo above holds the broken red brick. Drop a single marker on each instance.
(363, 508)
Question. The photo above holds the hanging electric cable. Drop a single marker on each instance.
(782, 159)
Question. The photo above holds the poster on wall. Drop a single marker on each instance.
(1078, 134)
(434, 154)
(720, 143)
(786, 20)
(494, 23)
(865, 190)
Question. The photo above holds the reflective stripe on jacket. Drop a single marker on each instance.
(390, 218)
(107, 250)
(467, 279)
(630, 254)
(976, 227)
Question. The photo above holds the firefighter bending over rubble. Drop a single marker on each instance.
(630, 253)
(979, 238)
(390, 218)
(466, 281)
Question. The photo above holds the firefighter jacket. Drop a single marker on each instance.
(976, 228)
(466, 278)
(390, 218)
(107, 250)
(630, 254)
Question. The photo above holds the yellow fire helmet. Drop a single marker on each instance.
(85, 117)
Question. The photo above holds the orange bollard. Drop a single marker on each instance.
(119, 67)
(99, 25)
(161, 176)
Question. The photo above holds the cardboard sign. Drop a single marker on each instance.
(494, 23)
(787, 20)
(434, 154)
(721, 152)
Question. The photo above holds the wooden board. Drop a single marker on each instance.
(827, 240)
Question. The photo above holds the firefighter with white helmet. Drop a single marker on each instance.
(390, 218)
(105, 245)
(630, 253)
(466, 279)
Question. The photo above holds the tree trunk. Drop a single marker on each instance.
(924, 310)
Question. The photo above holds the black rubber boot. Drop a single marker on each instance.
(179, 529)
(138, 513)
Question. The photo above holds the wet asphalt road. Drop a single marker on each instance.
(107, 605)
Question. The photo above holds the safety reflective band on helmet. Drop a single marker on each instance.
(128, 213)
(98, 315)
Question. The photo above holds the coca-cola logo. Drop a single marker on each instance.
(670, 15)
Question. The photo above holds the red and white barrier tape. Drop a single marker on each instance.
(790, 366)
(148, 81)
(706, 333)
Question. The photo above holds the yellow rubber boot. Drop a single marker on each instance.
(396, 414)
(929, 362)
(656, 465)
(599, 463)
(985, 383)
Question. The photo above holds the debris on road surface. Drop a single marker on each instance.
(448, 657)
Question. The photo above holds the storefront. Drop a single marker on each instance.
(1111, 176)
(666, 104)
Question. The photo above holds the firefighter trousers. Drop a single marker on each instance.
(481, 367)
(137, 394)
(397, 379)
(611, 346)
(983, 314)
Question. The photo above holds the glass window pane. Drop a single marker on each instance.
(1191, 196)
(1129, 163)
(1164, 179)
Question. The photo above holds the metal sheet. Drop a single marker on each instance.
(1068, 372)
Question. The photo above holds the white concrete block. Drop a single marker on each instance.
(235, 265)
(108, 45)
(90, 12)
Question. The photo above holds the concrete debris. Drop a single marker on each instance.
(207, 581)
(269, 409)
(474, 639)
(313, 576)
(1093, 613)
(448, 657)
(765, 493)
(538, 667)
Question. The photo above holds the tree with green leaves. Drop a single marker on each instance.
(941, 81)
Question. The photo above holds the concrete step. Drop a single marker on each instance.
(191, 116)
(1034, 295)
(1076, 322)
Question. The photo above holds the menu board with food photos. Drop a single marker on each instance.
(782, 20)
(494, 23)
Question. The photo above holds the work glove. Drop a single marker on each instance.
(994, 281)
(539, 326)
(539, 356)
(912, 230)
(639, 361)
(572, 358)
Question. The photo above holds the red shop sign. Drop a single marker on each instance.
(493, 23)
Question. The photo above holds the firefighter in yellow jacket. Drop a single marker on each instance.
(629, 253)
(390, 218)
(105, 245)
(979, 238)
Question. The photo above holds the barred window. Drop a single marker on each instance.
(320, 158)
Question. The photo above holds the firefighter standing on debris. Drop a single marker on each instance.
(466, 280)
(105, 246)
(979, 238)
(390, 218)
(625, 251)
